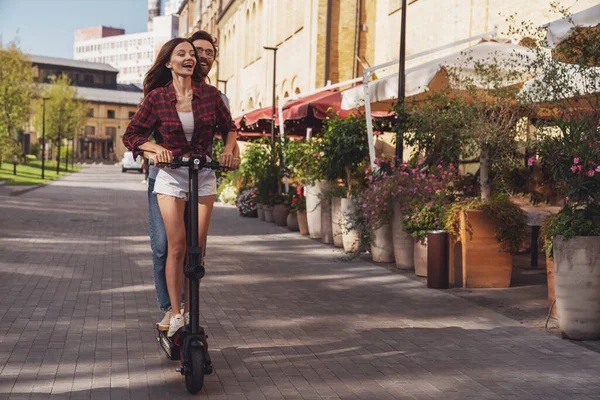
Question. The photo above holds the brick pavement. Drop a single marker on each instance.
(286, 319)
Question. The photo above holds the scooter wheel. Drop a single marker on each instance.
(194, 376)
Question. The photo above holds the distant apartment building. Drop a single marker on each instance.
(131, 54)
(110, 105)
(172, 6)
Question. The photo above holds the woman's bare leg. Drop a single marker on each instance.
(172, 210)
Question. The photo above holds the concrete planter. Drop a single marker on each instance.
(420, 255)
(403, 242)
(326, 226)
(551, 292)
(350, 238)
(268, 213)
(313, 208)
(336, 222)
(292, 221)
(302, 223)
(382, 248)
(577, 286)
(280, 213)
(260, 211)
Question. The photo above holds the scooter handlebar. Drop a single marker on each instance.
(202, 161)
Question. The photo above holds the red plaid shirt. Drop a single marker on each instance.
(158, 112)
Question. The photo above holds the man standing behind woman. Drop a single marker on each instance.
(206, 53)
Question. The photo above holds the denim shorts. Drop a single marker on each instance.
(175, 182)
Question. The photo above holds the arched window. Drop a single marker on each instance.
(250, 104)
(297, 91)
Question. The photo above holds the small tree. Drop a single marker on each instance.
(345, 148)
(16, 91)
(65, 113)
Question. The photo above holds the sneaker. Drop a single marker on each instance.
(163, 325)
(177, 322)
(186, 317)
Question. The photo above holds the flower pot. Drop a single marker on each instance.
(326, 226)
(551, 293)
(350, 238)
(577, 286)
(302, 223)
(485, 265)
(292, 221)
(268, 213)
(280, 213)
(313, 208)
(382, 247)
(420, 255)
(260, 211)
(403, 242)
(336, 221)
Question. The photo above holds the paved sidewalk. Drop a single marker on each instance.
(286, 319)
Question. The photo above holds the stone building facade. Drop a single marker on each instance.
(334, 40)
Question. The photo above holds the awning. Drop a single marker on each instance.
(560, 30)
(433, 75)
(256, 120)
(317, 106)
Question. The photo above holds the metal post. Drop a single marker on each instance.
(58, 155)
(43, 135)
(401, 78)
(72, 152)
(274, 49)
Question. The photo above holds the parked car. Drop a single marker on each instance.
(128, 163)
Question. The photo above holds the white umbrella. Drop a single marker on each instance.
(420, 79)
(559, 30)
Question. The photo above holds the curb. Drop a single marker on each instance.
(23, 191)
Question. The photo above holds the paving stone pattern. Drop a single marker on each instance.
(286, 318)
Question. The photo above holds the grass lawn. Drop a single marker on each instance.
(31, 173)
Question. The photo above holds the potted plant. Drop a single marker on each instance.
(280, 209)
(345, 150)
(298, 206)
(253, 169)
(572, 237)
(484, 116)
(292, 218)
(376, 207)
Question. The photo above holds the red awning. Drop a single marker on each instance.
(317, 105)
(254, 117)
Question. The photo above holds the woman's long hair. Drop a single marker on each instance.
(159, 75)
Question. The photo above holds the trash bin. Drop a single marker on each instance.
(437, 260)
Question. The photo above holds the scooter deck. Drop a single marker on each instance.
(170, 348)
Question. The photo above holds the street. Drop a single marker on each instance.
(286, 318)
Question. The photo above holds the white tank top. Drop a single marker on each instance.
(187, 122)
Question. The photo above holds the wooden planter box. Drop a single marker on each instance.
(484, 264)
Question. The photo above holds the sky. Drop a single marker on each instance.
(45, 27)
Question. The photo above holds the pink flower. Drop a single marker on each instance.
(531, 161)
(598, 168)
(574, 169)
(576, 160)
(590, 173)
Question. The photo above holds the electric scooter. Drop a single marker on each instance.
(189, 344)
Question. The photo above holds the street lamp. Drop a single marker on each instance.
(274, 49)
(43, 134)
(224, 82)
(401, 79)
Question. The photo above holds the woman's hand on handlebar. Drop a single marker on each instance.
(227, 159)
(162, 155)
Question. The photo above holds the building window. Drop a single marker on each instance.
(90, 113)
(111, 131)
(90, 130)
(131, 114)
(110, 114)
